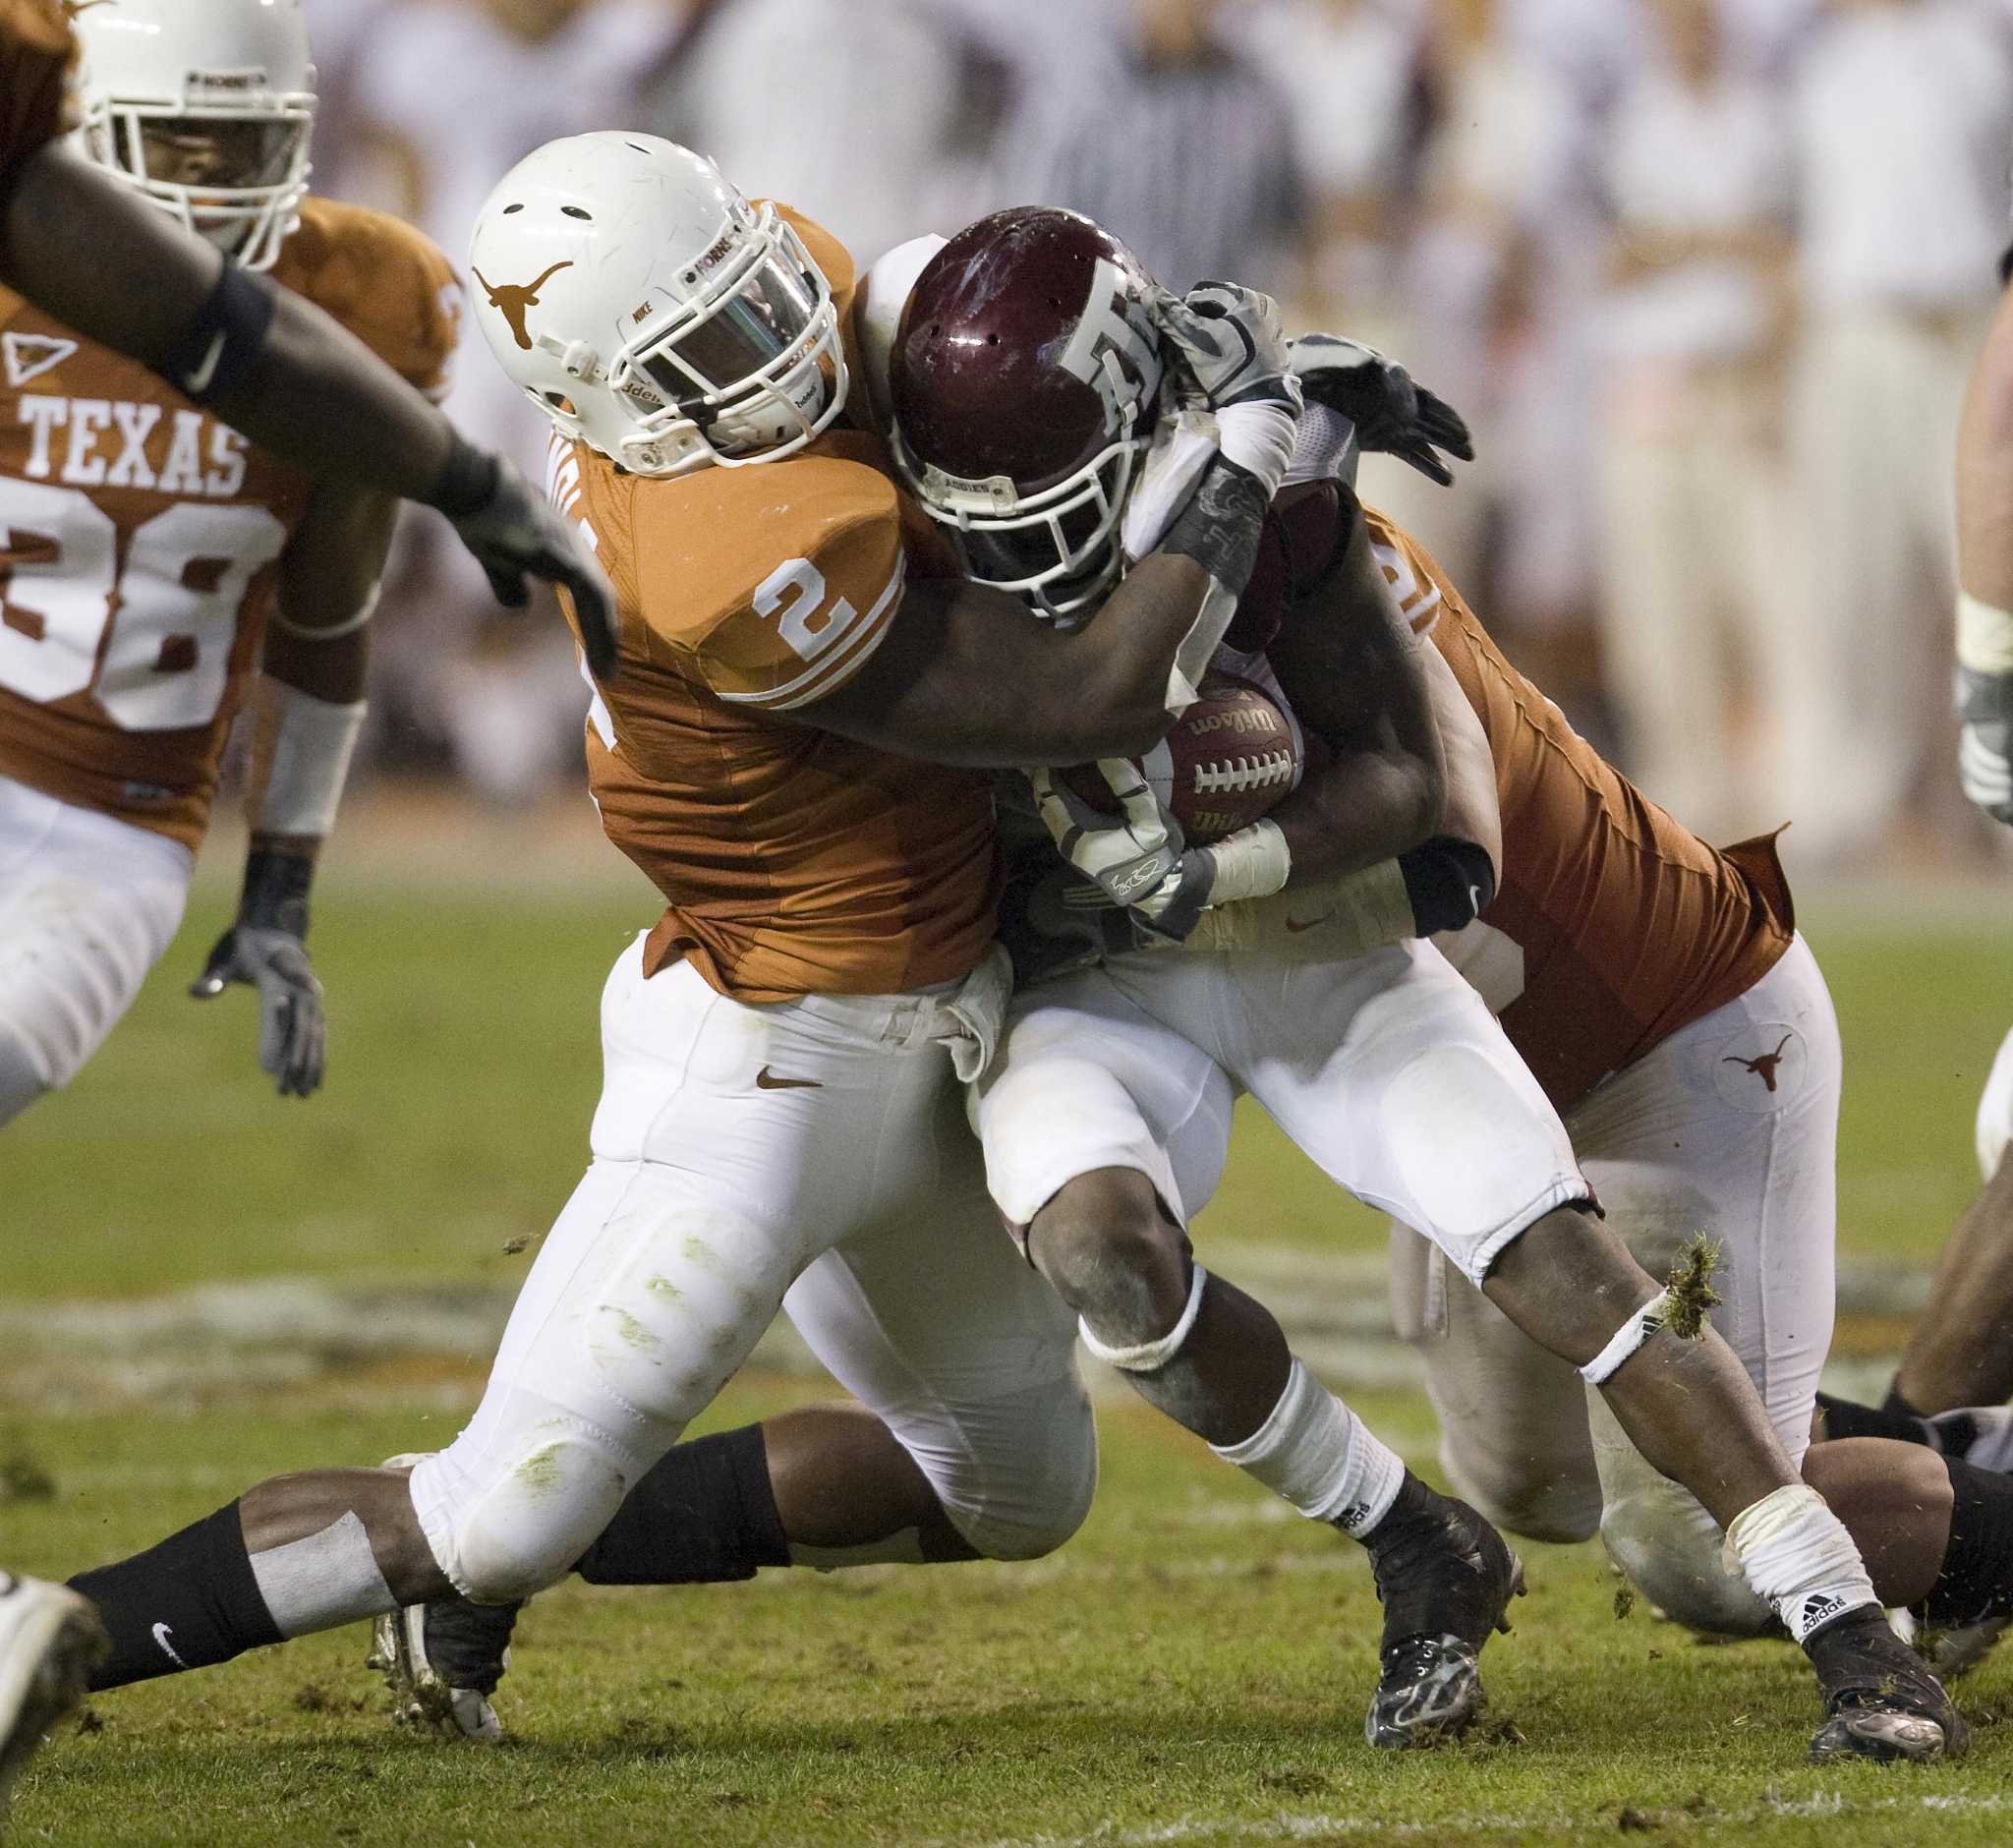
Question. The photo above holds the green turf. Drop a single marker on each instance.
(1191, 1669)
(1188, 1661)
(464, 1063)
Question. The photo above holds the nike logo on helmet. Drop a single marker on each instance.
(161, 1634)
(767, 1080)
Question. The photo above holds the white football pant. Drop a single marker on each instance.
(87, 906)
(1995, 1111)
(1728, 1127)
(812, 1155)
(1388, 1072)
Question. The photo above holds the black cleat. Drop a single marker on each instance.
(1444, 1577)
(1880, 1700)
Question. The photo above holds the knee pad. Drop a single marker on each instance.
(508, 1525)
(1672, 1553)
(1026, 1475)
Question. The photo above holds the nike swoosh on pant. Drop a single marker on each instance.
(767, 1080)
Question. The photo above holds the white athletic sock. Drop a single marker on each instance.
(1317, 1454)
(1797, 1555)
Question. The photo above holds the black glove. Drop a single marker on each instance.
(264, 950)
(1392, 414)
(516, 535)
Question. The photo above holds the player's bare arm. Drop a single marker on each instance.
(88, 251)
(964, 677)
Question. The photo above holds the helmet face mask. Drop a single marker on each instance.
(1057, 551)
(1025, 381)
(651, 311)
(207, 110)
(753, 364)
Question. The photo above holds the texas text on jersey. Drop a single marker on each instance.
(142, 537)
(1613, 925)
(36, 53)
(793, 861)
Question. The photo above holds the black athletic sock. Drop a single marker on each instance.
(705, 1514)
(1843, 1418)
(189, 1602)
(1896, 1403)
(1976, 1580)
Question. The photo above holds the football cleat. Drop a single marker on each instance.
(441, 1662)
(49, 1638)
(1955, 1652)
(1880, 1700)
(1445, 1578)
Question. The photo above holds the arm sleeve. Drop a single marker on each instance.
(793, 606)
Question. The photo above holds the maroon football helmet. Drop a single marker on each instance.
(1023, 383)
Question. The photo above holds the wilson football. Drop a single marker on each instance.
(1228, 760)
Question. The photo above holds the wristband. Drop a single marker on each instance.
(1254, 863)
(311, 742)
(1984, 636)
(276, 894)
(1258, 437)
(468, 479)
(1449, 882)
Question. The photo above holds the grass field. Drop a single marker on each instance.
(1191, 1669)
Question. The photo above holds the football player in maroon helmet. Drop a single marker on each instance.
(1047, 511)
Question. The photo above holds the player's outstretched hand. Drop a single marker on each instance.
(515, 535)
(1232, 343)
(293, 1028)
(1393, 414)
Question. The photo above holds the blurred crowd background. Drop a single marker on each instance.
(1706, 275)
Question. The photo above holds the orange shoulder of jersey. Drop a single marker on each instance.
(384, 281)
(36, 54)
(772, 584)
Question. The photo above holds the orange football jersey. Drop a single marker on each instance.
(139, 538)
(36, 53)
(792, 861)
(1626, 925)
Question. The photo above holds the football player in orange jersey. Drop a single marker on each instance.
(781, 1115)
(160, 565)
(1618, 932)
(106, 266)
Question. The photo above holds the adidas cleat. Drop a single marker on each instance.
(49, 1639)
(1445, 1578)
(1880, 1700)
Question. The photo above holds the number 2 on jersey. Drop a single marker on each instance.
(172, 609)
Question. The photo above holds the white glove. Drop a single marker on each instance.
(1130, 855)
(1230, 341)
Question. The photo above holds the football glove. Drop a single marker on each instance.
(515, 535)
(1393, 414)
(1136, 859)
(264, 950)
(1231, 342)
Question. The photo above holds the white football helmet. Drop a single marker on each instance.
(207, 107)
(649, 309)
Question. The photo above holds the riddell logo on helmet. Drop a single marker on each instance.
(515, 303)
